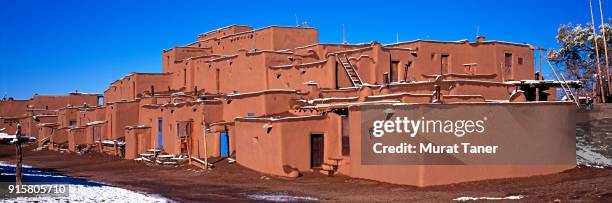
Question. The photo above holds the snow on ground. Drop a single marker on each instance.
(594, 143)
(83, 193)
(587, 155)
(280, 197)
(5, 164)
(512, 197)
(79, 190)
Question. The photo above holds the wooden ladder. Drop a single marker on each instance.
(350, 70)
(564, 86)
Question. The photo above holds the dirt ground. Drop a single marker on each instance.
(234, 182)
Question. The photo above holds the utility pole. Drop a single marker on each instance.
(605, 43)
(599, 72)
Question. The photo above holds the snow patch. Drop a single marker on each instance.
(280, 197)
(587, 154)
(6, 164)
(82, 193)
(79, 190)
(34, 175)
(511, 197)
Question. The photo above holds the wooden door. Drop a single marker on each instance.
(316, 150)
(444, 64)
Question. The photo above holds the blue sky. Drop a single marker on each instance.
(55, 47)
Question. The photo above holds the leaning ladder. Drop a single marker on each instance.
(564, 86)
(350, 71)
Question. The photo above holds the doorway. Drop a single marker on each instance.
(316, 150)
(217, 78)
(159, 133)
(224, 142)
(508, 66)
(444, 64)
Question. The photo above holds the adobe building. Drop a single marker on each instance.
(279, 102)
(30, 112)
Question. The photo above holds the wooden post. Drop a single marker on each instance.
(205, 149)
(605, 44)
(541, 76)
(19, 155)
(599, 72)
(188, 132)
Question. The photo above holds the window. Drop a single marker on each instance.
(346, 147)
(508, 60)
(393, 72)
(520, 60)
(507, 66)
(444, 64)
(168, 61)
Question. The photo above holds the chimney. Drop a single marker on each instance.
(481, 39)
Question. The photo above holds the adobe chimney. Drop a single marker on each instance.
(481, 39)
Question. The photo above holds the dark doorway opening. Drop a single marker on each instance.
(316, 150)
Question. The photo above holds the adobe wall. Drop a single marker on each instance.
(76, 136)
(67, 117)
(137, 141)
(185, 72)
(52, 102)
(257, 149)
(557, 130)
(44, 132)
(286, 144)
(171, 114)
(224, 31)
(96, 132)
(213, 139)
(488, 58)
(30, 126)
(135, 85)
(268, 38)
(182, 113)
(13, 108)
(59, 136)
(119, 115)
(257, 103)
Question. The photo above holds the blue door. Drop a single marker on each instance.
(159, 133)
(224, 144)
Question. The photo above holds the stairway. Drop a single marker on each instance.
(86, 149)
(350, 70)
(330, 166)
(155, 156)
(43, 144)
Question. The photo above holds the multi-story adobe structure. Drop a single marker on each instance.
(281, 103)
(39, 109)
